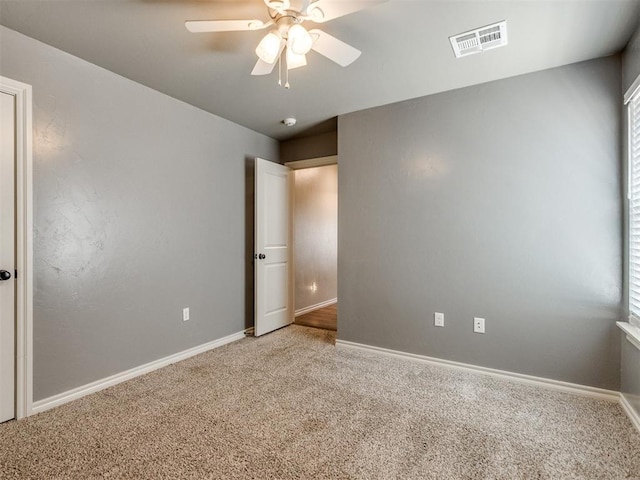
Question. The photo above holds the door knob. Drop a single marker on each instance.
(262, 256)
(4, 275)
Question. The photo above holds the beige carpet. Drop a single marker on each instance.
(290, 405)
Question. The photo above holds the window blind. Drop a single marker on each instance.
(634, 204)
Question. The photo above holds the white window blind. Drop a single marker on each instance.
(634, 204)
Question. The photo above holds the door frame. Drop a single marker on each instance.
(300, 165)
(24, 243)
(312, 162)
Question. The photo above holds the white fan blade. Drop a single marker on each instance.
(263, 68)
(334, 49)
(198, 26)
(299, 5)
(329, 9)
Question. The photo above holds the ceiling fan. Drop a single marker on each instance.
(288, 42)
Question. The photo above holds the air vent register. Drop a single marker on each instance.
(480, 39)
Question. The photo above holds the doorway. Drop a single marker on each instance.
(315, 242)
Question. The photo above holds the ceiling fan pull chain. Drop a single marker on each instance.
(279, 71)
(286, 70)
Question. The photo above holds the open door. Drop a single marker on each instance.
(7, 257)
(273, 271)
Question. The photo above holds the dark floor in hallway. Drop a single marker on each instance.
(326, 318)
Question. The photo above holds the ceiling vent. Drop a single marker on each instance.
(480, 39)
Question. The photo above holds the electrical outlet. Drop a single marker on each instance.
(438, 319)
(478, 325)
(185, 314)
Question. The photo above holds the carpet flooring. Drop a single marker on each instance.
(290, 405)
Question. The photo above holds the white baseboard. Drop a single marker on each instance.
(79, 392)
(593, 392)
(633, 415)
(317, 306)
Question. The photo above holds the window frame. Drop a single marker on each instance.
(632, 104)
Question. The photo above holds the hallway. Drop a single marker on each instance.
(326, 318)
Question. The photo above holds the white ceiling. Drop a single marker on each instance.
(406, 51)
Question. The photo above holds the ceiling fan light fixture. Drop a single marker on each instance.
(288, 42)
(298, 40)
(295, 60)
(268, 49)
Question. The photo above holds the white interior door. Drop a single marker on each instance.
(273, 272)
(7, 256)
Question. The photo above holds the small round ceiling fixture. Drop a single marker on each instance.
(289, 122)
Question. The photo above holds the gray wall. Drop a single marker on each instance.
(630, 368)
(501, 200)
(315, 146)
(139, 211)
(316, 235)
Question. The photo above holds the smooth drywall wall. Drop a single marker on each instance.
(316, 146)
(316, 235)
(139, 211)
(501, 201)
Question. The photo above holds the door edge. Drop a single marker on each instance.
(24, 243)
